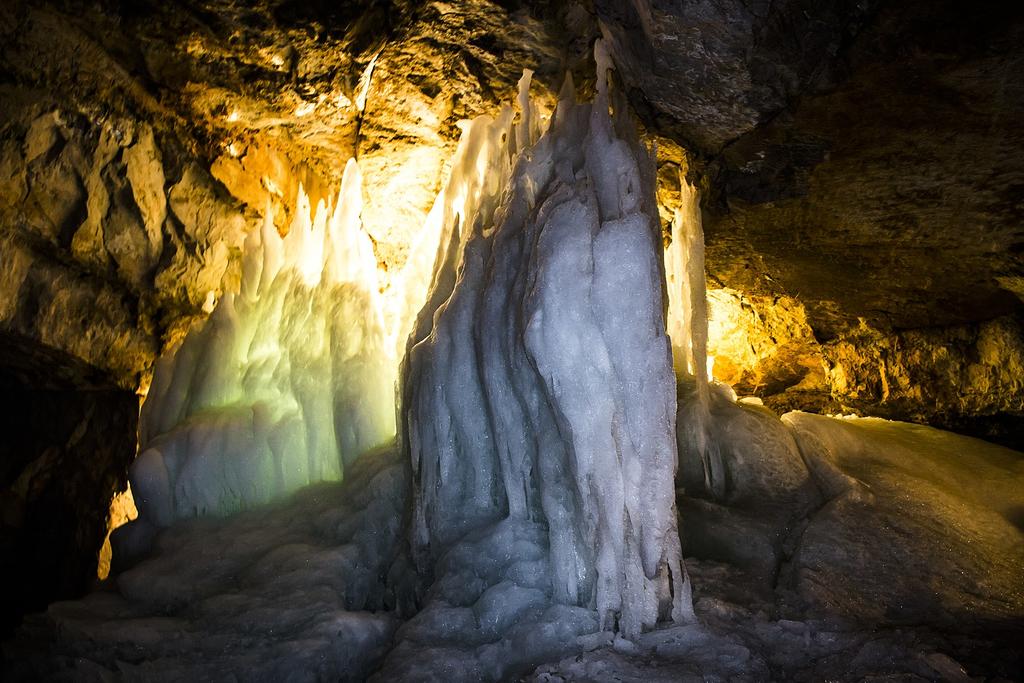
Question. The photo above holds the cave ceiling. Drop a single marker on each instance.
(862, 157)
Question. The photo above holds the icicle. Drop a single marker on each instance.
(688, 327)
(272, 247)
(525, 127)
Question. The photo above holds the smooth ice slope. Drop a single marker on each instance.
(539, 396)
(944, 509)
(286, 382)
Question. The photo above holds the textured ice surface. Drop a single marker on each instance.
(759, 460)
(295, 591)
(539, 399)
(291, 591)
(286, 382)
(744, 640)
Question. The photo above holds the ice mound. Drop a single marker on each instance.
(743, 640)
(295, 591)
(539, 398)
(943, 508)
(290, 591)
(284, 385)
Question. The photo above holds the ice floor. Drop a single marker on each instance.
(317, 588)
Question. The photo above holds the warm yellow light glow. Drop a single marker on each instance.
(234, 116)
(341, 101)
(272, 187)
(210, 303)
(305, 109)
(122, 511)
(755, 338)
(234, 150)
(729, 335)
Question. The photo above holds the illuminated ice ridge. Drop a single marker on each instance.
(286, 383)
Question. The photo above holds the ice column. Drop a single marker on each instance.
(285, 384)
(688, 327)
(539, 383)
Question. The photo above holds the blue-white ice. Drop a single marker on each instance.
(539, 399)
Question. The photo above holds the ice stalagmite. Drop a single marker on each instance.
(286, 382)
(688, 327)
(538, 392)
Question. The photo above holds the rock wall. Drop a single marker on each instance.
(967, 378)
(861, 160)
(762, 346)
(111, 234)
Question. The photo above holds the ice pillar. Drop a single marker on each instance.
(539, 382)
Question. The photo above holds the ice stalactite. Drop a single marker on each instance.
(284, 385)
(538, 392)
(729, 452)
(688, 327)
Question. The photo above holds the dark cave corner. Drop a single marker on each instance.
(69, 437)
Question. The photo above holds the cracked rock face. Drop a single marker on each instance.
(708, 73)
(862, 156)
(894, 195)
(863, 160)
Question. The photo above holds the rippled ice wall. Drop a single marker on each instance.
(286, 382)
(539, 396)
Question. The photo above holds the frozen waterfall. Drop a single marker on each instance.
(537, 402)
(286, 382)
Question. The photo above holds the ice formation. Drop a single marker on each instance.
(539, 397)
(688, 327)
(538, 413)
(538, 400)
(286, 382)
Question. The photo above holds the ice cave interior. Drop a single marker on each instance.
(562, 340)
